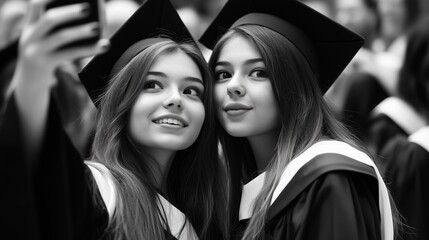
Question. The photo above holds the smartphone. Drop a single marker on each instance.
(96, 14)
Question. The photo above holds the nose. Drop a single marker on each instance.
(174, 102)
(235, 87)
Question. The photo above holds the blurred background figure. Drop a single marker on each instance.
(399, 134)
(396, 17)
(373, 74)
(197, 15)
(358, 90)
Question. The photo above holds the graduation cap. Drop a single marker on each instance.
(154, 21)
(327, 45)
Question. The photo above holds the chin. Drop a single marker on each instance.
(237, 132)
(177, 146)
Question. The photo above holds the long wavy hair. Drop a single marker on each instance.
(413, 82)
(194, 183)
(305, 119)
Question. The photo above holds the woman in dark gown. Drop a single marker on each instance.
(296, 172)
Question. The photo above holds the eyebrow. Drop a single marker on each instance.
(247, 62)
(189, 78)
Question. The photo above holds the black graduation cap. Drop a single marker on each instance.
(154, 21)
(327, 45)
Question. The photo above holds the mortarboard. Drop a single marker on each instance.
(153, 19)
(327, 45)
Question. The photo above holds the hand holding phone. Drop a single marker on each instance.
(95, 12)
(46, 43)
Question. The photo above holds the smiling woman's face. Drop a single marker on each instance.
(169, 113)
(244, 97)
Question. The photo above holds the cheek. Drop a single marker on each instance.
(201, 114)
(197, 113)
(219, 94)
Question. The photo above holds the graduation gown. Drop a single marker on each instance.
(60, 198)
(399, 140)
(325, 193)
(405, 164)
(363, 94)
(392, 117)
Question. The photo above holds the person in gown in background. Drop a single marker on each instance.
(357, 90)
(399, 135)
(396, 18)
(154, 171)
(295, 170)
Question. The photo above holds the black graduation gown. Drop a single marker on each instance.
(381, 130)
(390, 118)
(64, 205)
(19, 213)
(331, 197)
(405, 166)
(363, 94)
(60, 198)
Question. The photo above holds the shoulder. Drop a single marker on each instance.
(401, 113)
(421, 138)
(403, 154)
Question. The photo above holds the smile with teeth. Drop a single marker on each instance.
(170, 121)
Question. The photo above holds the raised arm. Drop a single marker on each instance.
(39, 56)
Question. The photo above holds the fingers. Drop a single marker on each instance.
(58, 16)
(39, 42)
(35, 10)
(71, 34)
(81, 51)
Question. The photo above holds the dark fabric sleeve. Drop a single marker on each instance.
(66, 204)
(338, 205)
(19, 214)
(405, 168)
(65, 188)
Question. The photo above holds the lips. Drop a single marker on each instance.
(236, 107)
(171, 120)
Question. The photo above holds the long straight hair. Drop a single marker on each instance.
(305, 118)
(194, 183)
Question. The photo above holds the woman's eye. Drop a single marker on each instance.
(259, 74)
(222, 75)
(152, 85)
(192, 92)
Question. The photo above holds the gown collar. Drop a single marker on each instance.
(176, 222)
(401, 113)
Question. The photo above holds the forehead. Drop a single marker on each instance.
(176, 63)
(237, 47)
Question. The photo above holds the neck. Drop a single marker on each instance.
(263, 147)
(164, 159)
